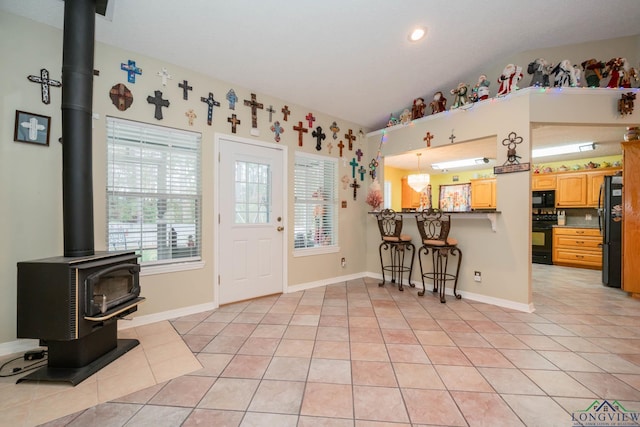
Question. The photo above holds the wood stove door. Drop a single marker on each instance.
(252, 223)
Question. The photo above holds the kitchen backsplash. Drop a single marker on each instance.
(581, 217)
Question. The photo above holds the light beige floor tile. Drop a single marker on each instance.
(485, 409)
(407, 353)
(557, 383)
(373, 373)
(410, 375)
(538, 411)
(510, 381)
(379, 404)
(369, 351)
(332, 350)
(288, 368)
(328, 400)
(230, 394)
(213, 417)
(246, 366)
(281, 397)
(330, 371)
(462, 378)
(432, 407)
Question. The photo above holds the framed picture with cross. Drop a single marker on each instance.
(32, 128)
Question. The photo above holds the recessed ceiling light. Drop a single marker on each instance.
(417, 34)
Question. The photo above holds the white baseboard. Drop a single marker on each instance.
(165, 315)
(325, 282)
(18, 346)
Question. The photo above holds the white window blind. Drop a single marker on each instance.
(316, 201)
(154, 194)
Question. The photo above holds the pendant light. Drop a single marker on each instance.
(418, 181)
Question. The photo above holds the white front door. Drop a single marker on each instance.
(251, 219)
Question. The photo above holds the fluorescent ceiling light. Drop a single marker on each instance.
(563, 149)
(417, 34)
(460, 163)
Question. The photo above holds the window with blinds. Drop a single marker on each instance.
(316, 202)
(154, 194)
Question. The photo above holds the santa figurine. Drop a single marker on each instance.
(539, 69)
(460, 97)
(564, 74)
(511, 75)
(614, 69)
(480, 91)
(439, 103)
(417, 111)
(593, 70)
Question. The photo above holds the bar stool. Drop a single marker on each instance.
(397, 244)
(434, 230)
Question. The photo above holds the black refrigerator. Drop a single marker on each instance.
(610, 221)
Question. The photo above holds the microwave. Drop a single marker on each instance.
(543, 199)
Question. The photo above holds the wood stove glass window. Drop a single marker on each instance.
(154, 192)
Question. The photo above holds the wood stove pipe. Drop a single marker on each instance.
(77, 102)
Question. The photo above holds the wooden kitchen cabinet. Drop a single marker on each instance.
(410, 197)
(571, 190)
(543, 182)
(483, 193)
(631, 217)
(594, 181)
(577, 247)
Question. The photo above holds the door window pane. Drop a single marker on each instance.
(252, 193)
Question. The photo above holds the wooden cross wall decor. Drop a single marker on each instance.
(254, 105)
(329, 147)
(355, 187)
(340, 146)
(359, 154)
(351, 137)
(277, 130)
(211, 103)
(452, 137)
(319, 136)
(354, 165)
(428, 137)
(132, 70)
(185, 89)
(362, 171)
(121, 96)
(270, 110)
(285, 112)
(300, 129)
(310, 119)
(190, 116)
(234, 121)
(45, 82)
(158, 102)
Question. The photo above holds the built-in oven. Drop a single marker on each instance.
(542, 238)
(543, 199)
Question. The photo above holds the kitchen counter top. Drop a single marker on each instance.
(491, 215)
(576, 226)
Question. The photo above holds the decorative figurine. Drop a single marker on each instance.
(564, 74)
(392, 121)
(593, 71)
(417, 110)
(628, 73)
(480, 91)
(509, 79)
(405, 117)
(540, 70)
(232, 99)
(439, 103)
(460, 95)
(614, 70)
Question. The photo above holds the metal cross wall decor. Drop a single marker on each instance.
(158, 102)
(185, 89)
(45, 82)
(132, 70)
(211, 103)
(319, 136)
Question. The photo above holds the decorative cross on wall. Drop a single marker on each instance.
(211, 103)
(351, 137)
(277, 129)
(121, 96)
(362, 171)
(185, 89)
(329, 147)
(428, 137)
(452, 137)
(340, 146)
(285, 112)
(355, 187)
(310, 119)
(232, 99)
(45, 82)
(270, 110)
(164, 75)
(354, 165)
(158, 102)
(359, 153)
(300, 129)
(190, 116)
(132, 70)
(254, 105)
(335, 129)
(33, 127)
(319, 136)
(234, 121)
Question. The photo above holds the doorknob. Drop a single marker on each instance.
(280, 228)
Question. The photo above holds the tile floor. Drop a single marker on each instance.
(354, 354)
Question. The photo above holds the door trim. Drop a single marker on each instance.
(216, 207)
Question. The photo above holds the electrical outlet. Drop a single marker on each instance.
(477, 276)
(343, 262)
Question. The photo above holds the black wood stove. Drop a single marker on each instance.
(71, 303)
